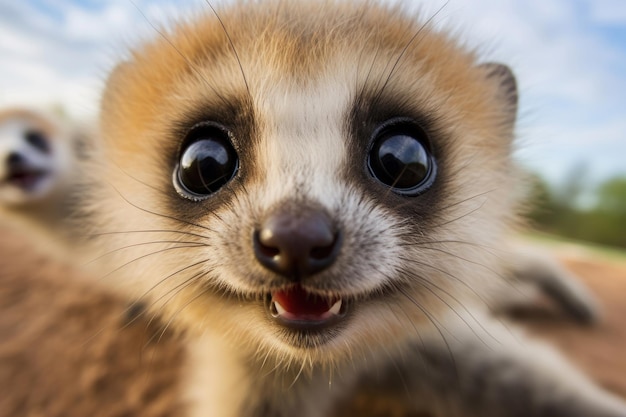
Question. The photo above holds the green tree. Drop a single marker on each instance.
(559, 210)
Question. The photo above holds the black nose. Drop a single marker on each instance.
(15, 160)
(297, 243)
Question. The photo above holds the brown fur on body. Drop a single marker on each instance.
(66, 349)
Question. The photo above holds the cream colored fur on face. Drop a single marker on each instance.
(302, 70)
(301, 91)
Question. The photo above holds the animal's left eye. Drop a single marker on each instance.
(400, 158)
(38, 140)
(207, 162)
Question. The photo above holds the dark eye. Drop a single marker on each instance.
(38, 140)
(207, 161)
(400, 158)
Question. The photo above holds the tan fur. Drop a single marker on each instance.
(18, 113)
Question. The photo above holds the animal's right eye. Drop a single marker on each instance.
(38, 140)
(206, 163)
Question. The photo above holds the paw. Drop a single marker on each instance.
(541, 271)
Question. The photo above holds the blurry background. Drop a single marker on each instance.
(569, 56)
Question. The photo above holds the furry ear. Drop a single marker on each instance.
(507, 84)
(113, 82)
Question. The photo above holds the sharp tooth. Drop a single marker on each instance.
(280, 310)
(336, 308)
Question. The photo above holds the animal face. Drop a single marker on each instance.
(313, 186)
(33, 157)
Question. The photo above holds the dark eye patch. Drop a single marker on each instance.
(38, 140)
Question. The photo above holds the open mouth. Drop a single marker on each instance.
(296, 308)
(26, 179)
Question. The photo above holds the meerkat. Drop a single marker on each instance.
(39, 154)
(316, 196)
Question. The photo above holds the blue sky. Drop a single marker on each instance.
(569, 56)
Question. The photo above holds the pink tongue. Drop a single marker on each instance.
(301, 303)
(25, 179)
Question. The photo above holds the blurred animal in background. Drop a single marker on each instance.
(38, 159)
